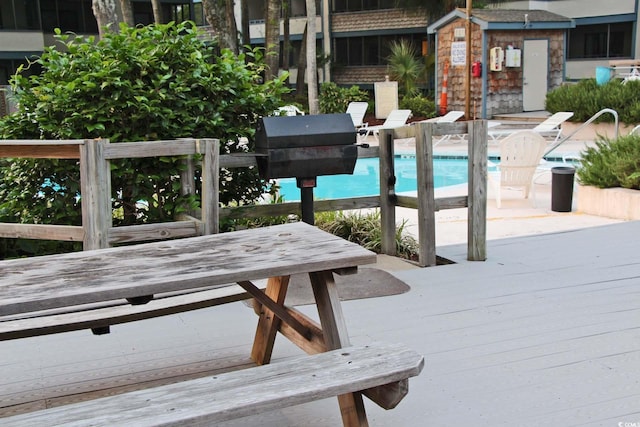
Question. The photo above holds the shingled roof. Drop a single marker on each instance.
(507, 19)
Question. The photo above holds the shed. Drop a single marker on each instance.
(517, 56)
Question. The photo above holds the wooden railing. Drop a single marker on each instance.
(95, 177)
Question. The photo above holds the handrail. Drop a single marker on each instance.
(576, 130)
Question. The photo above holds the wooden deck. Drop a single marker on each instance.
(546, 332)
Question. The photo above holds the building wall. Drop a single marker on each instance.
(456, 93)
(503, 88)
(574, 8)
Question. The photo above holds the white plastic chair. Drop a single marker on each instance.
(520, 155)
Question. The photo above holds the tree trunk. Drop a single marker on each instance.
(312, 68)
(302, 62)
(246, 36)
(106, 15)
(127, 12)
(219, 15)
(231, 32)
(272, 38)
(157, 11)
(286, 38)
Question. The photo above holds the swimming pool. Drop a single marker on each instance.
(365, 180)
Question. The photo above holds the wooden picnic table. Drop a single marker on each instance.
(52, 290)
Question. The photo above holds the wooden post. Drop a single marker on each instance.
(426, 195)
(188, 179)
(477, 211)
(387, 192)
(95, 193)
(210, 148)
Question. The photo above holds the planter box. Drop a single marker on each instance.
(619, 203)
(593, 130)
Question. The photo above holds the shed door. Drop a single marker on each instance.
(535, 62)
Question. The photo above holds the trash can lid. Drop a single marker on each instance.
(563, 170)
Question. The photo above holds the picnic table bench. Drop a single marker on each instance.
(86, 290)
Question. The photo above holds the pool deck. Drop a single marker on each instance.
(546, 332)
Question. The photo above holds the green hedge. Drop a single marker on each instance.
(586, 98)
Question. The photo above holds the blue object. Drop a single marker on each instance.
(603, 75)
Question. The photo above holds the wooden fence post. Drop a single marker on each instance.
(477, 210)
(188, 179)
(210, 148)
(426, 195)
(95, 193)
(387, 192)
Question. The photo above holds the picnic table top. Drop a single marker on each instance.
(54, 281)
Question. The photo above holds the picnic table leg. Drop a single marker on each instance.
(335, 334)
(268, 323)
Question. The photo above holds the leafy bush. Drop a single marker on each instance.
(419, 106)
(144, 83)
(612, 163)
(365, 230)
(586, 98)
(335, 99)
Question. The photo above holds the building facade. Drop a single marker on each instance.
(352, 35)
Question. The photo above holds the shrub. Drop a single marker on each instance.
(335, 99)
(612, 163)
(586, 98)
(419, 106)
(365, 230)
(144, 83)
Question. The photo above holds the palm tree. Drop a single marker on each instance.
(405, 67)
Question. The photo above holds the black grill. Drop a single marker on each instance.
(305, 147)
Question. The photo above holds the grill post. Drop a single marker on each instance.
(306, 198)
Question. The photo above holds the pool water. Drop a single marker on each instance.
(365, 180)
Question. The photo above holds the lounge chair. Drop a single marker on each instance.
(396, 119)
(357, 111)
(450, 117)
(551, 126)
(520, 156)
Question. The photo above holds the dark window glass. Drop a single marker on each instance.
(341, 51)
(355, 51)
(371, 51)
(339, 6)
(600, 41)
(49, 15)
(19, 15)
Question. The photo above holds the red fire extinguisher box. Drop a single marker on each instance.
(476, 69)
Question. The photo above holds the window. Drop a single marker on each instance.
(19, 15)
(68, 15)
(370, 50)
(600, 41)
(183, 12)
(361, 5)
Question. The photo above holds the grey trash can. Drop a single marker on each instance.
(562, 188)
